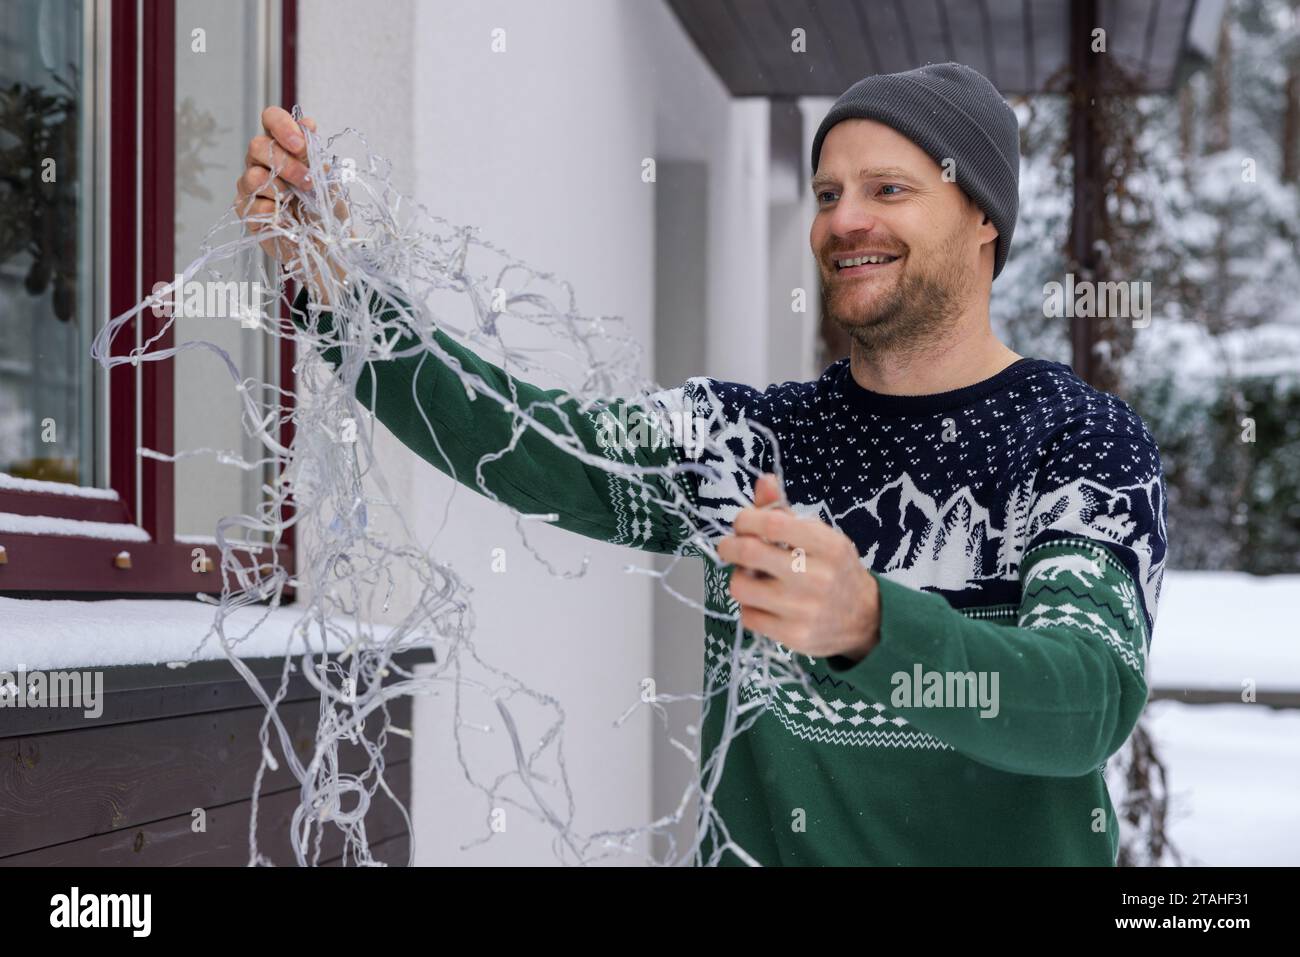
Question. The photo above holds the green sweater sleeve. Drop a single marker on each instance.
(489, 448)
(1062, 689)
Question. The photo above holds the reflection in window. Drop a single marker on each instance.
(224, 60)
(45, 315)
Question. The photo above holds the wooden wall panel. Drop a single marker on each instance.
(171, 842)
(119, 789)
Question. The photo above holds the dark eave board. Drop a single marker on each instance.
(1021, 45)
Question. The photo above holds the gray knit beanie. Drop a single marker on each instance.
(951, 112)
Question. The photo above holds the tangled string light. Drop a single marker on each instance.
(355, 241)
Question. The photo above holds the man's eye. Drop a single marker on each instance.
(891, 186)
(822, 196)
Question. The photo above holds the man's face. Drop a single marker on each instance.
(880, 195)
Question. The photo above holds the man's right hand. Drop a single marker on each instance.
(282, 151)
(275, 163)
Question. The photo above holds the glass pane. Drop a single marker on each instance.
(221, 88)
(46, 378)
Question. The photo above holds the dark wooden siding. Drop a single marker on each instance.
(120, 789)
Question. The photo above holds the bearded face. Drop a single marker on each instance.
(901, 250)
(899, 304)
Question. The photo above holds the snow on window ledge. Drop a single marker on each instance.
(14, 484)
(41, 635)
(53, 525)
(235, 543)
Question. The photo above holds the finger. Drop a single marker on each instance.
(766, 593)
(782, 525)
(265, 215)
(767, 491)
(280, 126)
(257, 213)
(258, 181)
(265, 152)
(762, 622)
(754, 554)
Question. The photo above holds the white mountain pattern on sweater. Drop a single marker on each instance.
(941, 493)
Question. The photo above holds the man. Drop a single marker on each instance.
(971, 555)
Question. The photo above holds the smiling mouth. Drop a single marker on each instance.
(862, 265)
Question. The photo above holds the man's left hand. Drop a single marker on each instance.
(799, 581)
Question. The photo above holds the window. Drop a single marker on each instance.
(121, 132)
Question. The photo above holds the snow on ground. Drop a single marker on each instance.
(1215, 629)
(1234, 781)
(1234, 768)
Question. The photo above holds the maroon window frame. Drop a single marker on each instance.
(142, 38)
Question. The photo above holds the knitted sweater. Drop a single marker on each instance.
(1016, 528)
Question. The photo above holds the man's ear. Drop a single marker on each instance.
(986, 225)
(975, 207)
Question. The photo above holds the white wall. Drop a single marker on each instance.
(738, 299)
(541, 147)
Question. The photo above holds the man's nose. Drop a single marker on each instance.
(851, 216)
